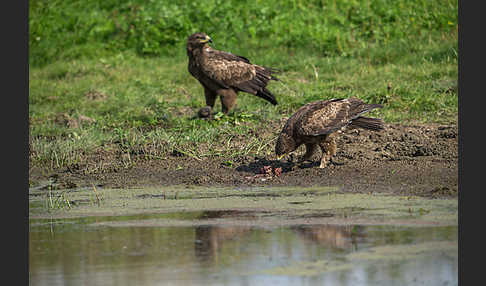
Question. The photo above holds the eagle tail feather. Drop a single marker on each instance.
(267, 95)
(368, 123)
(270, 71)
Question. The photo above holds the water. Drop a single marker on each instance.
(81, 252)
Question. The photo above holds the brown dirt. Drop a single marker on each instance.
(416, 159)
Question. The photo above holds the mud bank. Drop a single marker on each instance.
(419, 159)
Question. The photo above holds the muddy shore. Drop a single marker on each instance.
(415, 159)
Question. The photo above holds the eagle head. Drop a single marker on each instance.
(197, 40)
(285, 144)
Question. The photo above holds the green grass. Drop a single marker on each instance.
(89, 28)
(402, 54)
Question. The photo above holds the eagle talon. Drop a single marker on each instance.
(331, 161)
(206, 112)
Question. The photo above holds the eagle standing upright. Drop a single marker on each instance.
(315, 124)
(224, 74)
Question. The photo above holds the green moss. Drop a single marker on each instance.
(305, 205)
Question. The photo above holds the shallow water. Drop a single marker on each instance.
(103, 251)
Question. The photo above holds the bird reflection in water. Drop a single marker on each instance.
(211, 238)
(334, 236)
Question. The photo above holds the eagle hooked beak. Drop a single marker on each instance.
(207, 39)
(281, 156)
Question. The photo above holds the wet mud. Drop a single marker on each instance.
(417, 159)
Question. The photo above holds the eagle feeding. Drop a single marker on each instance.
(316, 124)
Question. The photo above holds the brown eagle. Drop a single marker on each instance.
(315, 124)
(224, 74)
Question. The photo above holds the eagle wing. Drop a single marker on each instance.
(235, 71)
(227, 56)
(325, 117)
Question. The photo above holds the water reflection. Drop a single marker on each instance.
(334, 236)
(210, 240)
(73, 253)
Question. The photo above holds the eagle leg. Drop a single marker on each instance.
(206, 111)
(210, 97)
(310, 149)
(328, 147)
(228, 99)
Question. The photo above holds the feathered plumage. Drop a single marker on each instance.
(315, 124)
(224, 74)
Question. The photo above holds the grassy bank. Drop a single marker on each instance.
(113, 77)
